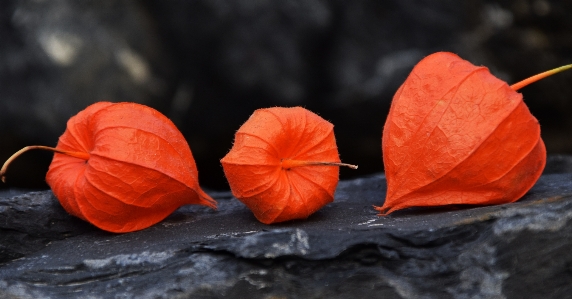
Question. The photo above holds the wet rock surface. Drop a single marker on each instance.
(517, 250)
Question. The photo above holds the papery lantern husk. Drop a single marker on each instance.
(455, 134)
(283, 164)
(140, 168)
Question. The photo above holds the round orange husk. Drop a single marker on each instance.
(272, 165)
(140, 168)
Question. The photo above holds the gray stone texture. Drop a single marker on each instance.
(517, 250)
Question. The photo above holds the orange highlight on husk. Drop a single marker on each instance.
(122, 167)
(455, 134)
(284, 164)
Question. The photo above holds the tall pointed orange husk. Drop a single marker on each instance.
(455, 134)
(139, 168)
(283, 164)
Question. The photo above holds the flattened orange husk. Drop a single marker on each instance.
(455, 134)
(254, 165)
(140, 168)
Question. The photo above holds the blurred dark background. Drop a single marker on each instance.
(208, 64)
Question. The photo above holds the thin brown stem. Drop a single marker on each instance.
(287, 164)
(540, 76)
(80, 155)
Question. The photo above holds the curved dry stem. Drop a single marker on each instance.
(80, 155)
(540, 76)
(287, 164)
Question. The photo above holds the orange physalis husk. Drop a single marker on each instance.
(455, 134)
(122, 167)
(284, 164)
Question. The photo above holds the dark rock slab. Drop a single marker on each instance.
(518, 250)
(30, 221)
